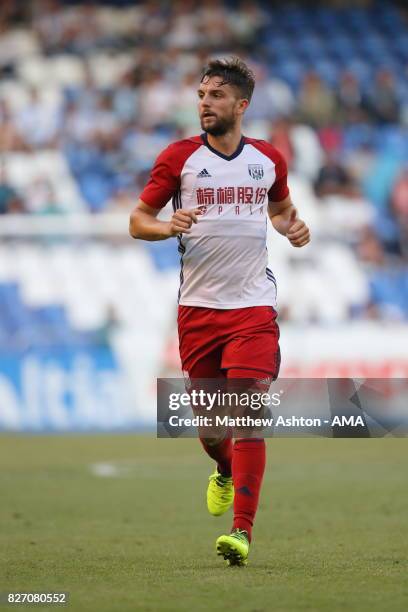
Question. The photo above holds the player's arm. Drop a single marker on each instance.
(284, 218)
(145, 225)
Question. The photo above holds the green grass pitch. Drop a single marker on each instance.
(331, 531)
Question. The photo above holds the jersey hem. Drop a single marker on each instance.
(229, 306)
(240, 366)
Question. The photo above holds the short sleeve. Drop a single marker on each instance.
(279, 190)
(163, 183)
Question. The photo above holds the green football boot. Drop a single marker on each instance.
(220, 494)
(234, 547)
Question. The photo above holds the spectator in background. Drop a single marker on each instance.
(15, 41)
(177, 63)
(10, 201)
(281, 139)
(317, 104)
(183, 27)
(185, 105)
(85, 94)
(79, 124)
(247, 22)
(38, 123)
(399, 206)
(350, 100)
(151, 23)
(125, 99)
(370, 249)
(344, 211)
(102, 336)
(74, 29)
(10, 139)
(214, 25)
(308, 153)
(82, 32)
(50, 23)
(141, 145)
(333, 179)
(331, 139)
(106, 120)
(157, 100)
(83, 125)
(92, 121)
(272, 98)
(40, 197)
(300, 146)
(382, 100)
(388, 280)
(13, 12)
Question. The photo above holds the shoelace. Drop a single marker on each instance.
(222, 481)
(241, 535)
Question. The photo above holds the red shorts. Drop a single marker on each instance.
(237, 343)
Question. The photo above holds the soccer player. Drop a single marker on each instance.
(222, 185)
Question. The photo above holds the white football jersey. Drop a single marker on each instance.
(224, 258)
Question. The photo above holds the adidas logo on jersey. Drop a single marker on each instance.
(204, 173)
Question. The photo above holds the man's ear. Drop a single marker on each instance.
(243, 105)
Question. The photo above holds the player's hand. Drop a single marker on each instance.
(182, 220)
(298, 233)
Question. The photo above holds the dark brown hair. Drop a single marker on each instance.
(232, 72)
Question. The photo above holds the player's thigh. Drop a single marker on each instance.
(256, 346)
(207, 366)
(199, 344)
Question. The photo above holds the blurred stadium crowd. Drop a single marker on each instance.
(90, 93)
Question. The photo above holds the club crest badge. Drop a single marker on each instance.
(256, 171)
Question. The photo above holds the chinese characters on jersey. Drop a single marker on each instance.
(207, 196)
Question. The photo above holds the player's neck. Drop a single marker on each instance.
(226, 144)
